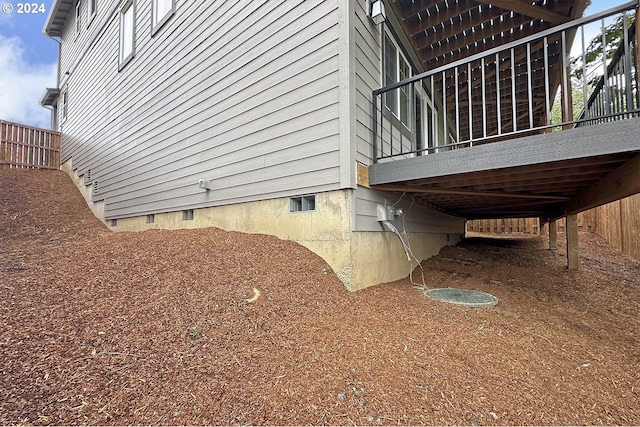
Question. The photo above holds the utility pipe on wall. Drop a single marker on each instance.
(382, 214)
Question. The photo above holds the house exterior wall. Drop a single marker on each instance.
(249, 101)
(267, 100)
(368, 77)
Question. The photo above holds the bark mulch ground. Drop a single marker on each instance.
(154, 328)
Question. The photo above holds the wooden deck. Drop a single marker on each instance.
(548, 175)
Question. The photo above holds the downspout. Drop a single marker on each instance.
(53, 123)
(54, 119)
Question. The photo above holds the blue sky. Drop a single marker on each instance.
(28, 61)
(27, 65)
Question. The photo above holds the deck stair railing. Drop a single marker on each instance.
(509, 91)
(26, 147)
(615, 96)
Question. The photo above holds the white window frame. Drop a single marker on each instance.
(92, 5)
(127, 22)
(78, 17)
(63, 104)
(160, 14)
(400, 104)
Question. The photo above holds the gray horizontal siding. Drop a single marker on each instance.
(235, 189)
(75, 44)
(225, 145)
(368, 77)
(416, 218)
(243, 93)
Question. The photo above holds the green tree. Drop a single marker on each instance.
(591, 64)
(614, 36)
(577, 98)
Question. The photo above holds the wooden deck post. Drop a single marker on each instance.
(573, 259)
(553, 236)
(543, 226)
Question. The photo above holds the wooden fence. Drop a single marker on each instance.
(26, 147)
(618, 222)
(505, 225)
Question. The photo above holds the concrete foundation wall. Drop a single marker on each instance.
(96, 207)
(324, 231)
(359, 259)
(379, 257)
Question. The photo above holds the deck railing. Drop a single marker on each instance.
(26, 147)
(509, 91)
(615, 96)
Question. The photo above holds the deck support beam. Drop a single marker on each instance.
(573, 254)
(622, 182)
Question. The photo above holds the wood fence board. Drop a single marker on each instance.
(26, 147)
(630, 213)
(617, 222)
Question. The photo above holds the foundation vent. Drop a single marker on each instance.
(187, 215)
(302, 204)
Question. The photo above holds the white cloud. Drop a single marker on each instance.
(22, 84)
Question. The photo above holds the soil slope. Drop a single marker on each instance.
(154, 328)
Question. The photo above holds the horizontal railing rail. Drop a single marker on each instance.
(27, 147)
(510, 91)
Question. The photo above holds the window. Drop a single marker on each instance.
(151, 219)
(405, 73)
(162, 11)
(64, 99)
(127, 33)
(91, 6)
(396, 68)
(301, 204)
(114, 222)
(390, 72)
(78, 16)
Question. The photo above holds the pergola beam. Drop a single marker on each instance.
(447, 56)
(436, 19)
(526, 8)
(439, 34)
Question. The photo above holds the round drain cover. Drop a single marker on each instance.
(466, 297)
